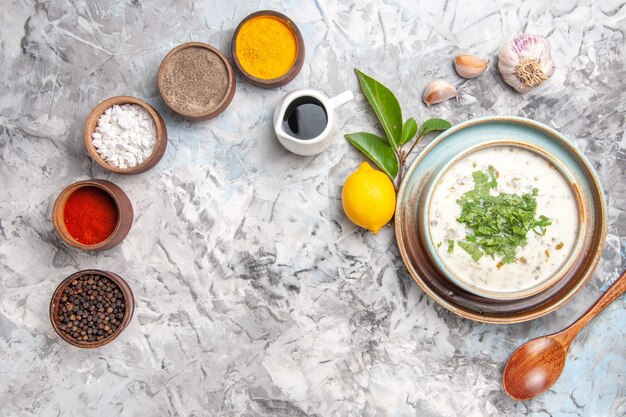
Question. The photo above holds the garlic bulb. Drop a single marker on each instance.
(438, 91)
(469, 66)
(526, 62)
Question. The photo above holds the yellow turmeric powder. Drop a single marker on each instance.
(266, 47)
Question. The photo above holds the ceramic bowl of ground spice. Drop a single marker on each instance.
(268, 49)
(90, 308)
(125, 135)
(196, 81)
(92, 215)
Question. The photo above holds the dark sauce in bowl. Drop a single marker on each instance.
(305, 118)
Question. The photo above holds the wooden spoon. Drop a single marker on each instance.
(538, 363)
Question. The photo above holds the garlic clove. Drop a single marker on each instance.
(438, 91)
(525, 61)
(469, 66)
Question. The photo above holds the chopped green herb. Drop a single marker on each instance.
(472, 249)
(450, 245)
(498, 223)
(439, 245)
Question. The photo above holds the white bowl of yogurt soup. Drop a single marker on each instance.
(502, 220)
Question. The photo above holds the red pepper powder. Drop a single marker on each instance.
(90, 215)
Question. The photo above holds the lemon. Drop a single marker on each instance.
(368, 198)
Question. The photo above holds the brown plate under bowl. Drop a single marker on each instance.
(196, 81)
(419, 260)
(124, 214)
(129, 307)
(92, 122)
(295, 68)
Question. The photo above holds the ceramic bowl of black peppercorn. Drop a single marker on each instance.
(90, 308)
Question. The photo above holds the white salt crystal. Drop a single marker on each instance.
(125, 136)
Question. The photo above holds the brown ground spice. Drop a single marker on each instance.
(194, 81)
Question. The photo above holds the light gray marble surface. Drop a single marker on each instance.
(255, 294)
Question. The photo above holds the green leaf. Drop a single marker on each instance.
(472, 249)
(498, 222)
(385, 105)
(409, 129)
(434, 125)
(376, 149)
(450, 245)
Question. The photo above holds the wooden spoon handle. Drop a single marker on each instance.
(614, 291)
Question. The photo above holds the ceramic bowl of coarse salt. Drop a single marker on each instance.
(125, 135)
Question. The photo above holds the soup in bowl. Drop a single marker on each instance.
(502, 220)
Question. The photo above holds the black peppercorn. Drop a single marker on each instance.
(91, 308)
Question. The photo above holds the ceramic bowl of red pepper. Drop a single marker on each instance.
(92, 215)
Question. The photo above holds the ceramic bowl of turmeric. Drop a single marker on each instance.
(92, 215)
(268, 49)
